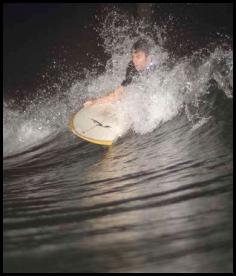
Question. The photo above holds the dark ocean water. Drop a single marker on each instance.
(158, 200)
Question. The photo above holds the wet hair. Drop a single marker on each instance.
(141, 45)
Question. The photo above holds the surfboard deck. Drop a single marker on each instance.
(96, 124)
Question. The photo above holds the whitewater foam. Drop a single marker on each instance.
(144, 106)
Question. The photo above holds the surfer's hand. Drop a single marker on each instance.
(88, 103)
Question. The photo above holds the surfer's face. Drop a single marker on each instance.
(140, 60)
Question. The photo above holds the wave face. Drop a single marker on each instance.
(159, 200)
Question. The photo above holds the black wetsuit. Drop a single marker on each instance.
(132, 73)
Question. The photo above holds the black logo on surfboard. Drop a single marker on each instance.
(99, 124)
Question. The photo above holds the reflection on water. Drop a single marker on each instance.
(150, 203)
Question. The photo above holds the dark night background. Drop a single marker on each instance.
(36, 34)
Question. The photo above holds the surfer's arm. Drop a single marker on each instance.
(113, 96)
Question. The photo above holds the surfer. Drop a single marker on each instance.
(142, 63)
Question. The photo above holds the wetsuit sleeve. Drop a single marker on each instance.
(130, 73)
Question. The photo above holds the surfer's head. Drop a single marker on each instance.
(140, 54)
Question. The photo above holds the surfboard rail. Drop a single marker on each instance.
(94, 141)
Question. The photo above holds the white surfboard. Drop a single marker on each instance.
(97, 124)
